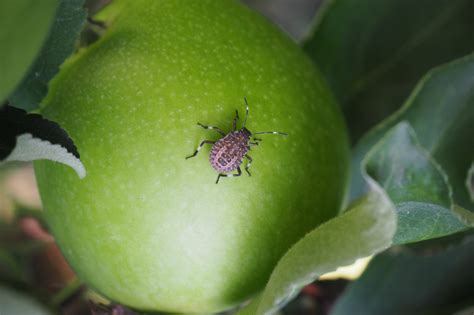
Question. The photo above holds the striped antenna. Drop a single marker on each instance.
(246, 111)
(270, 132)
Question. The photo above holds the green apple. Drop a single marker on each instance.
(152, 230)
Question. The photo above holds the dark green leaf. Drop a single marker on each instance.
(68, 23)
(409, 283)
(29, 137)
(416, 185)
(15, 303)
(366, 229)
(441, 112)
(373, 52)
(24, 25)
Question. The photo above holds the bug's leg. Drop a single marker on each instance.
(200, 147)
(239, 172)
(253, 143)
(249, 162)
(270, 132)
(212, 128)
(246, 112)
(236, 118)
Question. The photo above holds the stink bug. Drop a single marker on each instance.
(228, 152)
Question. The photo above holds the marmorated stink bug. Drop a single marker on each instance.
(228, 152)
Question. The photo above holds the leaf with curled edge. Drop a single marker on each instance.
(28, 137)
(441, 113)
(365, 229)
(416, 184)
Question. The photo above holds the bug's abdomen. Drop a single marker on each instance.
(228, 152)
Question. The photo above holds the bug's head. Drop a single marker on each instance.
(246, 132)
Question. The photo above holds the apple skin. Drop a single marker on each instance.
(152, 230)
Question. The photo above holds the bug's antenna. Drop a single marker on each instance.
(246, 111)
(270, 132)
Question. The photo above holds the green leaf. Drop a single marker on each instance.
(441, 113)
(401, 281)
(373, 52)
(470, 182)
(13, 303)
(416, 185)
(24, 25)
(68, 23)
(366, 229)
